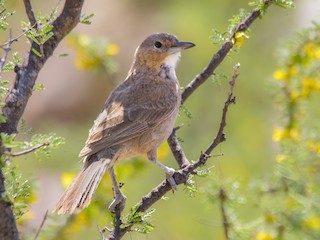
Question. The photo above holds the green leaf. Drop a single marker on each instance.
(38, 87)
(63, 54)
(25, 25)
(46, 37)
(36, 52)
(86, 19)
(8, 67)
(284, 3)
(16, 59)
(185, 110)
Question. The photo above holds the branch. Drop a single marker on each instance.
(176, 149)
(30, 14)
(27, 150)
(44, 219)
(220, 137)
(223, 197)
(222, 53)
(16, 38)
(207, 72)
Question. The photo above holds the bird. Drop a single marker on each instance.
(138, 116)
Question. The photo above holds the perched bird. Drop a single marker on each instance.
(137, 117)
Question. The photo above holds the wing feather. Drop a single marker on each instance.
(131, 110)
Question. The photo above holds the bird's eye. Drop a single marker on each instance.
(158, 44)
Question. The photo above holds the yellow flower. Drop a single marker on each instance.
(279, 134)
(264, 235)
(67, 178)
(269, 218)
(292, 71)
(83, 40)
(112, 49)
(309, 83)
(280, 158)
(294, 133)
(294, 95)
(280, 74)
(308, 48)
(312, 222)
(317, 53)
(312, 50)
(285, 74)
(239, 38)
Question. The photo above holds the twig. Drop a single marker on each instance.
(2, 11)
(221, 54)
(41, 225)
(17, 37)
(176, 149)
(30, 14)
(6, 50)
(27, 150)
(226, 224)
(220, 137)
(207, 72)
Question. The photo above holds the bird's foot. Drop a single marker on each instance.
(169, 174)
(119, 200)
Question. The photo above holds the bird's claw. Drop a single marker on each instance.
(119, 200)
(169, 174)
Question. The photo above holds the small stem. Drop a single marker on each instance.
(226, 224)
(45, 217)
(27, 150)
(6, 49)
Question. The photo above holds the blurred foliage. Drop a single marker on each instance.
(93, 53)
(288, 197)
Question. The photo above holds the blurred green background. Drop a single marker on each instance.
(73, 97)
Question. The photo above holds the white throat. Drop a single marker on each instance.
(169, 65)
(172, 60)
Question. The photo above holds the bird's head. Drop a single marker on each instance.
(159, 49)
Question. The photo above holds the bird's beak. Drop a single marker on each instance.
(185, 45)
(181, 46)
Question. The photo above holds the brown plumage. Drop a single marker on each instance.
(138, 116)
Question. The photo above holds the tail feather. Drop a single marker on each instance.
(79, 193)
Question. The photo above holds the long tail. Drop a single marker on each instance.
(79, 193)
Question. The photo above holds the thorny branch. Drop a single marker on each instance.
(221, 54)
